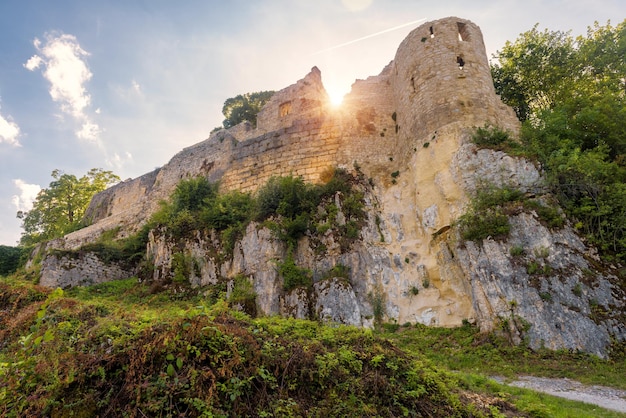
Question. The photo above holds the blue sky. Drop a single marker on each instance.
(125, 84)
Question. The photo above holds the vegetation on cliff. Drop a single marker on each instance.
(569, 93)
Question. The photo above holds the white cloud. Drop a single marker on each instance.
(27, 195)
(89, 131)
(33, 63)
(66, 70)
(118, 161)
(9, 131)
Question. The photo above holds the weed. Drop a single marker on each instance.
(533, 267)
(577, 290)
(516, 251)
(546, 296)
(378, 301)
(293, 276)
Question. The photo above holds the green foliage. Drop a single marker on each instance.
(295, 208)
(490, 208)
(243, 294)
(90, 353)
(378, 300)
(10, 259)
(191, 194)
(570, 93)
(338, 270)
(495, 138)
(486, 216)
(182, 266)
(577, 290)
(293, 276)
(244, 107)
(59, 209)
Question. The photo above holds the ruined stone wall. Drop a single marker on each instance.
(384, 121)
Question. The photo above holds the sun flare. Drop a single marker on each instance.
(336, 97)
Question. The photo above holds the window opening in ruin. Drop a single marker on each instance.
(463, 31)
(284, 109)
(459, 60)
(432, 34)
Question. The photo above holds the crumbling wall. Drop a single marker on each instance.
(383, 123)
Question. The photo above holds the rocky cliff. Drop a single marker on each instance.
(408, 131)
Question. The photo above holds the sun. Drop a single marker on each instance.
(336, 97)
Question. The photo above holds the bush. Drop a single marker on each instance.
(477, 226)
(243, 294)
(292, 275)
(191, 194)
(227, 210)
(495, 138)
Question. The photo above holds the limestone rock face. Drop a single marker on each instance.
(547, 293)
(82, 269)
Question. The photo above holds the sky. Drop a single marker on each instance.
(123, 85)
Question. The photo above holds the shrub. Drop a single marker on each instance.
(286, 196)
(9, 259)
(493, 137)
(191, 194)
(378, 301)
(338, 270)
(243, 294)
(516, 251)
(476, 226)
(293, 276)
(486, 216)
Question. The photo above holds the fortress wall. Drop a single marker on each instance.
(305, 149)
(382, 123)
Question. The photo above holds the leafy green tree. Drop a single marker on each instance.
(571, 95)
(59, 209)
(531, 72)
(9, 259)
(244, 107)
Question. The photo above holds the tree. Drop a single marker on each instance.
(244, 107)
(9, 259)
(59, 209)
(531, 72)
(571, 95)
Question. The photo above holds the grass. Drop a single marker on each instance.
(465, 349)
(474, 357)
(124, 349)
(125, 346)
(533, 403)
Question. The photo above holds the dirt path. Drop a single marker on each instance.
(609, 398)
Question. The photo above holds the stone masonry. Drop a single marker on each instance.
(440, 75)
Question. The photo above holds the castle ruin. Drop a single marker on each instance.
(407, 129)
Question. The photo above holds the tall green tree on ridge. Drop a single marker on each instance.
(570, 94)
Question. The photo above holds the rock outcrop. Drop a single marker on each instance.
(408, 130)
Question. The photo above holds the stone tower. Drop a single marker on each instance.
(441, 75)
